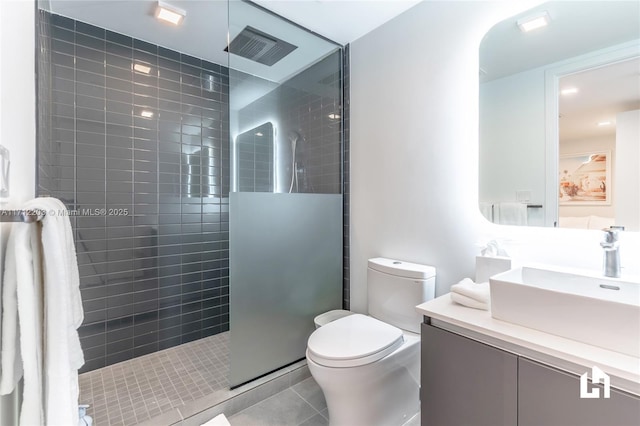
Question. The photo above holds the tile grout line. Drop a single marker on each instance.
(301, 397)
(151, 381)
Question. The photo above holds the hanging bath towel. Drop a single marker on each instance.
(49, 314)
(22, 326)
(511, 214)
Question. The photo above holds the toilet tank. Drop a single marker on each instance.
(395, 288)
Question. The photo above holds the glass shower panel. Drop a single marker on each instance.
(286, 268)
(285, 242)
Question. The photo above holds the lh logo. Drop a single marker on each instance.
(596, 376)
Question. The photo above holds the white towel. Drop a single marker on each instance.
(487, 210)
(23, 326)
(510, 214)
(219, 420)
(49, 312)
(11, 360)
(470, 294)
(63, 316)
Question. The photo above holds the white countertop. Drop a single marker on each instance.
(565, 354)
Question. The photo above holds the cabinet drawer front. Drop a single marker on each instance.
(550, 397)
(465, 382)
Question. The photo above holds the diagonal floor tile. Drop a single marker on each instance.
(316, 420)
(283, 409)
(309, 390)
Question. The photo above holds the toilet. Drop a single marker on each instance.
(368, 366)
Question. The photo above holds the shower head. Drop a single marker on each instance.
(295, 136)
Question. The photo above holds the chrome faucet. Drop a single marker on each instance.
(611, 246)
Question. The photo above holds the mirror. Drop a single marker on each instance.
(560, 117)
(254, 160)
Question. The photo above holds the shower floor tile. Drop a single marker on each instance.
(136, 390)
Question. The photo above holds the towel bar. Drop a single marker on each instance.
(26, 216)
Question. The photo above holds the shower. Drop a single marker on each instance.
(298, 164)
(144, 122)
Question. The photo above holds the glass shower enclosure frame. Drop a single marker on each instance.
(285, 203)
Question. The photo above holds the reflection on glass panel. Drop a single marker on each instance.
(254, 159)
(297, 91)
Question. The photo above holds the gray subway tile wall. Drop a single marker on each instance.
(153, 256)
(307, 108)
(146, 153)
(346, 284)
(45, 152)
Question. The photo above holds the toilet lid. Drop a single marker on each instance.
(353, 340)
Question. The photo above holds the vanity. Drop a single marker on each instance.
(478, 370)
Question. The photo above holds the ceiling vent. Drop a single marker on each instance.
(260, 47)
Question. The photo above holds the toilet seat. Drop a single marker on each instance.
(353, 341)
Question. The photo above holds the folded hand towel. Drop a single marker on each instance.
(470, 294)
(469, 302)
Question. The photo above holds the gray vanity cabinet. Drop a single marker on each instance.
(468, 383)
(465, 382)
(547, 396)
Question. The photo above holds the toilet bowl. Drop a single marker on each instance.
(368, 366)
(378, 366)
(327, 317)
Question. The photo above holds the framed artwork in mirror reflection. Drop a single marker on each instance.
(585, 178)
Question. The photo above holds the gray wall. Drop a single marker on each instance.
(154, 272)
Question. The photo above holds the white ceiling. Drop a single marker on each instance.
(576, 27)
(203, 33)
(602, 93)
(342, 21)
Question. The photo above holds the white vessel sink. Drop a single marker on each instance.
(603, 312)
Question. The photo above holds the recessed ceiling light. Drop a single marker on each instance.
(569, 91)
(259, 134)
(142, 68)
(604, 123)
(146, 113)
(334, 116)
(533, 22)
(168, 13)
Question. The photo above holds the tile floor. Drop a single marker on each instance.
(136, 390)
(302, 404)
